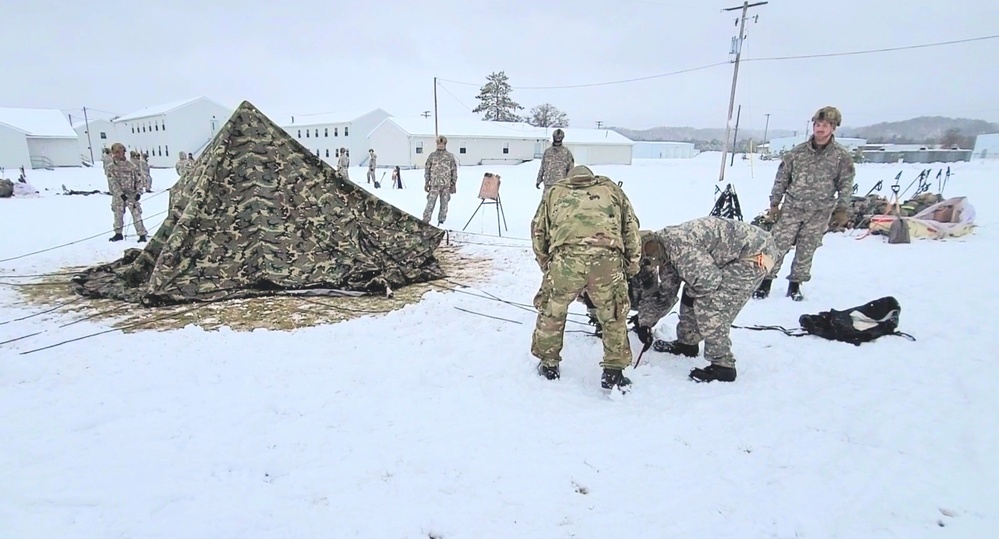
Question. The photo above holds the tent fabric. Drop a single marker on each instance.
(953, 217)
(260, 214)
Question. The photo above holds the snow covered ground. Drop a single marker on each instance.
(430, 421)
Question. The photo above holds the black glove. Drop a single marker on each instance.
(686, 298)
(537, 185)
(124, 197)
(634, 321)
(644, 334)
(137, 196)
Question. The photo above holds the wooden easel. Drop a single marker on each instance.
(489, 194)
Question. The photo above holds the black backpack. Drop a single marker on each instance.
(855, 325)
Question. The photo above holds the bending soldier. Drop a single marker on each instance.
(585, 236)
(720, 262)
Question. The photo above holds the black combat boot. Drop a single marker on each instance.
(614, 378)
(116, 237)
(142, 239)
(794, 291)
(763, 291)
(550, 372)
(677, 348)
(712, 373)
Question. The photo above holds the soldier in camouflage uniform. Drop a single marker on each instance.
(720, 262)
(808, 178)
(144, 169)
(585, 236)
(342, 164)
(556, 162)
(106, 158)
(126, 185)
(440, 180)
(184, 165)
(372, 163)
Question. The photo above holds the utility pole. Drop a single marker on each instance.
(600, 124)
(735, 137)
(426, 114)
(737, 49)
(436, 132)
(90, 144)
(766, 127)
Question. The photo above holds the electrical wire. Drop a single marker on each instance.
(871, 51)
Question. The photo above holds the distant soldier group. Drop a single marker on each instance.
(587, 241)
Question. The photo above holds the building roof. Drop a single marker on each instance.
(473, 127)
(92, 121)
(49, 123)
(326, 118)
(158, 110)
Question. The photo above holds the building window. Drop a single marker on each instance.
(104, 136)
(506, 147)
(336, 132)
(167, 148)
(299, 133)
(345, 133)
(133, 129)
(317, 133)
(164, 125)
(326, 133)
(327, 152)
(156, 126)
(160, 150)
(462, 149)
(306, 133)
(419, 147)
(317, 152)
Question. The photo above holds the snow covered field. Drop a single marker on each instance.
(431, 422)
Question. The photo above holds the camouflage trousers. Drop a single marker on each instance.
(149, 182)
(343, 173)
(444, 193)
(804, 231)
(371, 175)
(601, 273)
(711, 317)
(118, 205)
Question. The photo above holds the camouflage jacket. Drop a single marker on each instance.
(372, 161)
(342, 162)
(183, 166)
(124, 179)
(694, 253)
(141, 167)
(583, 210)
(807, 178)
(649, 294)
(441, 170)
(556, 163)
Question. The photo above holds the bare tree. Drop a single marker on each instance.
(547, 115)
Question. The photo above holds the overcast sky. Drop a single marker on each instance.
(310, 56)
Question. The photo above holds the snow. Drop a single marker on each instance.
(47, 123)
(156, 110)
(430, 421)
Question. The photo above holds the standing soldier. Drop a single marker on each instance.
(807, 179)
(184, 165)
(372, 160)
(106, 158)
(585, 237)
(440, 180)
(342, 164)
(126, 185)
(720, 262)
(556, 163)
(144, 168)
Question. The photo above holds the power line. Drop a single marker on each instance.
(871, 51)
(607, 83)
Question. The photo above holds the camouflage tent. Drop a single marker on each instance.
(259, 214)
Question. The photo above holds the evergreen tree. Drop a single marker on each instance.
(494, 100)
(547, 115)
